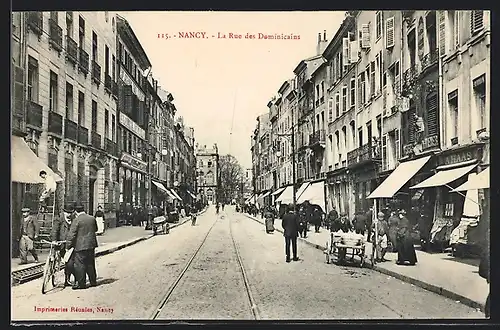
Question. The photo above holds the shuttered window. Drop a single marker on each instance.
(390, 32)
(365, 36)
(379, 23)
(476, 21)
(353, 92)
(337, 105)
(432, 115)
(385, 158)
(52, 159)
(330, 110)
(456, 28)
(442, 31)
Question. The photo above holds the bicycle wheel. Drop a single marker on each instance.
(56, 274)
(47, 273)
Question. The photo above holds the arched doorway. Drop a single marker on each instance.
(92, 189)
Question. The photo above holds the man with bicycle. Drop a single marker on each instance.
(60, 231)
(29, 233)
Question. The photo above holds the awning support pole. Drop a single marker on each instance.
(458, 192)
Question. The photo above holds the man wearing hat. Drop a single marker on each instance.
(60, 231)
(290, 224)
(30, 229)
(82, 237)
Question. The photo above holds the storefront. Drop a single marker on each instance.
(337, 191)
(133, 178)
(452, 170)
(363, 180)
(161, 195)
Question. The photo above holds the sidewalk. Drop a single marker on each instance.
(431, 273)
(112, 240)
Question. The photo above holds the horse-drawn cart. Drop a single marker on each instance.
(343, 244)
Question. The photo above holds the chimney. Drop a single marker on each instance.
(319, 38)
(324, 35)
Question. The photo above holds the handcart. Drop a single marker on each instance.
(342, 245)
(161, 225)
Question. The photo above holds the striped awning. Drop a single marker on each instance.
(175, 194)
(26, 166)
(191, 194)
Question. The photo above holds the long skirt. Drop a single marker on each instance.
(406, 250)
(269, 225)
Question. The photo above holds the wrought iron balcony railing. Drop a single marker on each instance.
(34, 115)
(55, 35)
(96, 73)
(83, 61)
(369, 151)
(83, 135)
(108, 83)
(430, 58)
(70, 130)
(111, 147)
(35, 22)
(71, 50)
(55, 123)
(318, 137)
(96, 140)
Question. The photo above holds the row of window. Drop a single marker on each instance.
(33, 96)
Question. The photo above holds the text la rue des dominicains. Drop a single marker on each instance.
(230, 35)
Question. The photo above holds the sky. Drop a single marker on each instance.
(220, 86)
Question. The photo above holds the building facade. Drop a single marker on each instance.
(400, 88)
(207, 173)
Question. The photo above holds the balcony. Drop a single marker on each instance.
(365, 153)
(55, 35)
(108, 83)
(83, 61)
(95, 140)
(71, 50)
(70, 130)
(114, 88)
(317, 138)
(111, 147)
(430, 59)
(35, 22)
(34, 115)
(409, 78)
(96, 73)
(83, 135)
(55, 123)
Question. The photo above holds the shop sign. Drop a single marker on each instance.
(129, 81)
(430, 142)
(134, 162)
(131, 126)
(460, 156)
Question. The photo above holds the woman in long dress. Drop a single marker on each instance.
(99, 217)
(406, 250)
(269, 216)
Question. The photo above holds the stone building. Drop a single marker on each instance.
(207, 173)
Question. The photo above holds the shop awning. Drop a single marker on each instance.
(301, 190)
(249, 199)
(315, 194)
(404, 172)
(26, 165)
(471, 202)
(266, 194)
(479, 181)
(278, 191)
(160, 186)
(287, 196)
(444, 177)
(191, 194)
(175, 194)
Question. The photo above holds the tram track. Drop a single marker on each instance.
(170, 293)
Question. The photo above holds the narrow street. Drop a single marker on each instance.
(133, 282)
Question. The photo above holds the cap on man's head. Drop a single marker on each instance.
(79, 207)
(402, 211)
(25, 209)
(381, 214)
(42, 172)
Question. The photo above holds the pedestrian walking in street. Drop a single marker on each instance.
(316, 218)
(29, 233)
(381, 242)
(406, 250)
(332, 216)
(101, 222)
(82, 237)
(60, 232)
(302, 222)
(393, 230)
(223, 206)
(345, 225)
(217, 208)
(49, 189)
(269, 216)
(290, 224)
(359, 223)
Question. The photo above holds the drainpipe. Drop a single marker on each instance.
(441, 115)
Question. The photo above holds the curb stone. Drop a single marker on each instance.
(137, 240)
(426, 286)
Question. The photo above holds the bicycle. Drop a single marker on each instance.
(53, 265)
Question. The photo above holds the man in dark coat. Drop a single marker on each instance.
(316, 217)
(60, 232)
(359, 223)
(82, 237)
(29, 233)
(290, 224)
(332, 216)
(406, 250)
(302, 222)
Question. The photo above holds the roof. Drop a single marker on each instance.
(316, 70)
(126, 31)
(303, 63)
(347, 24)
